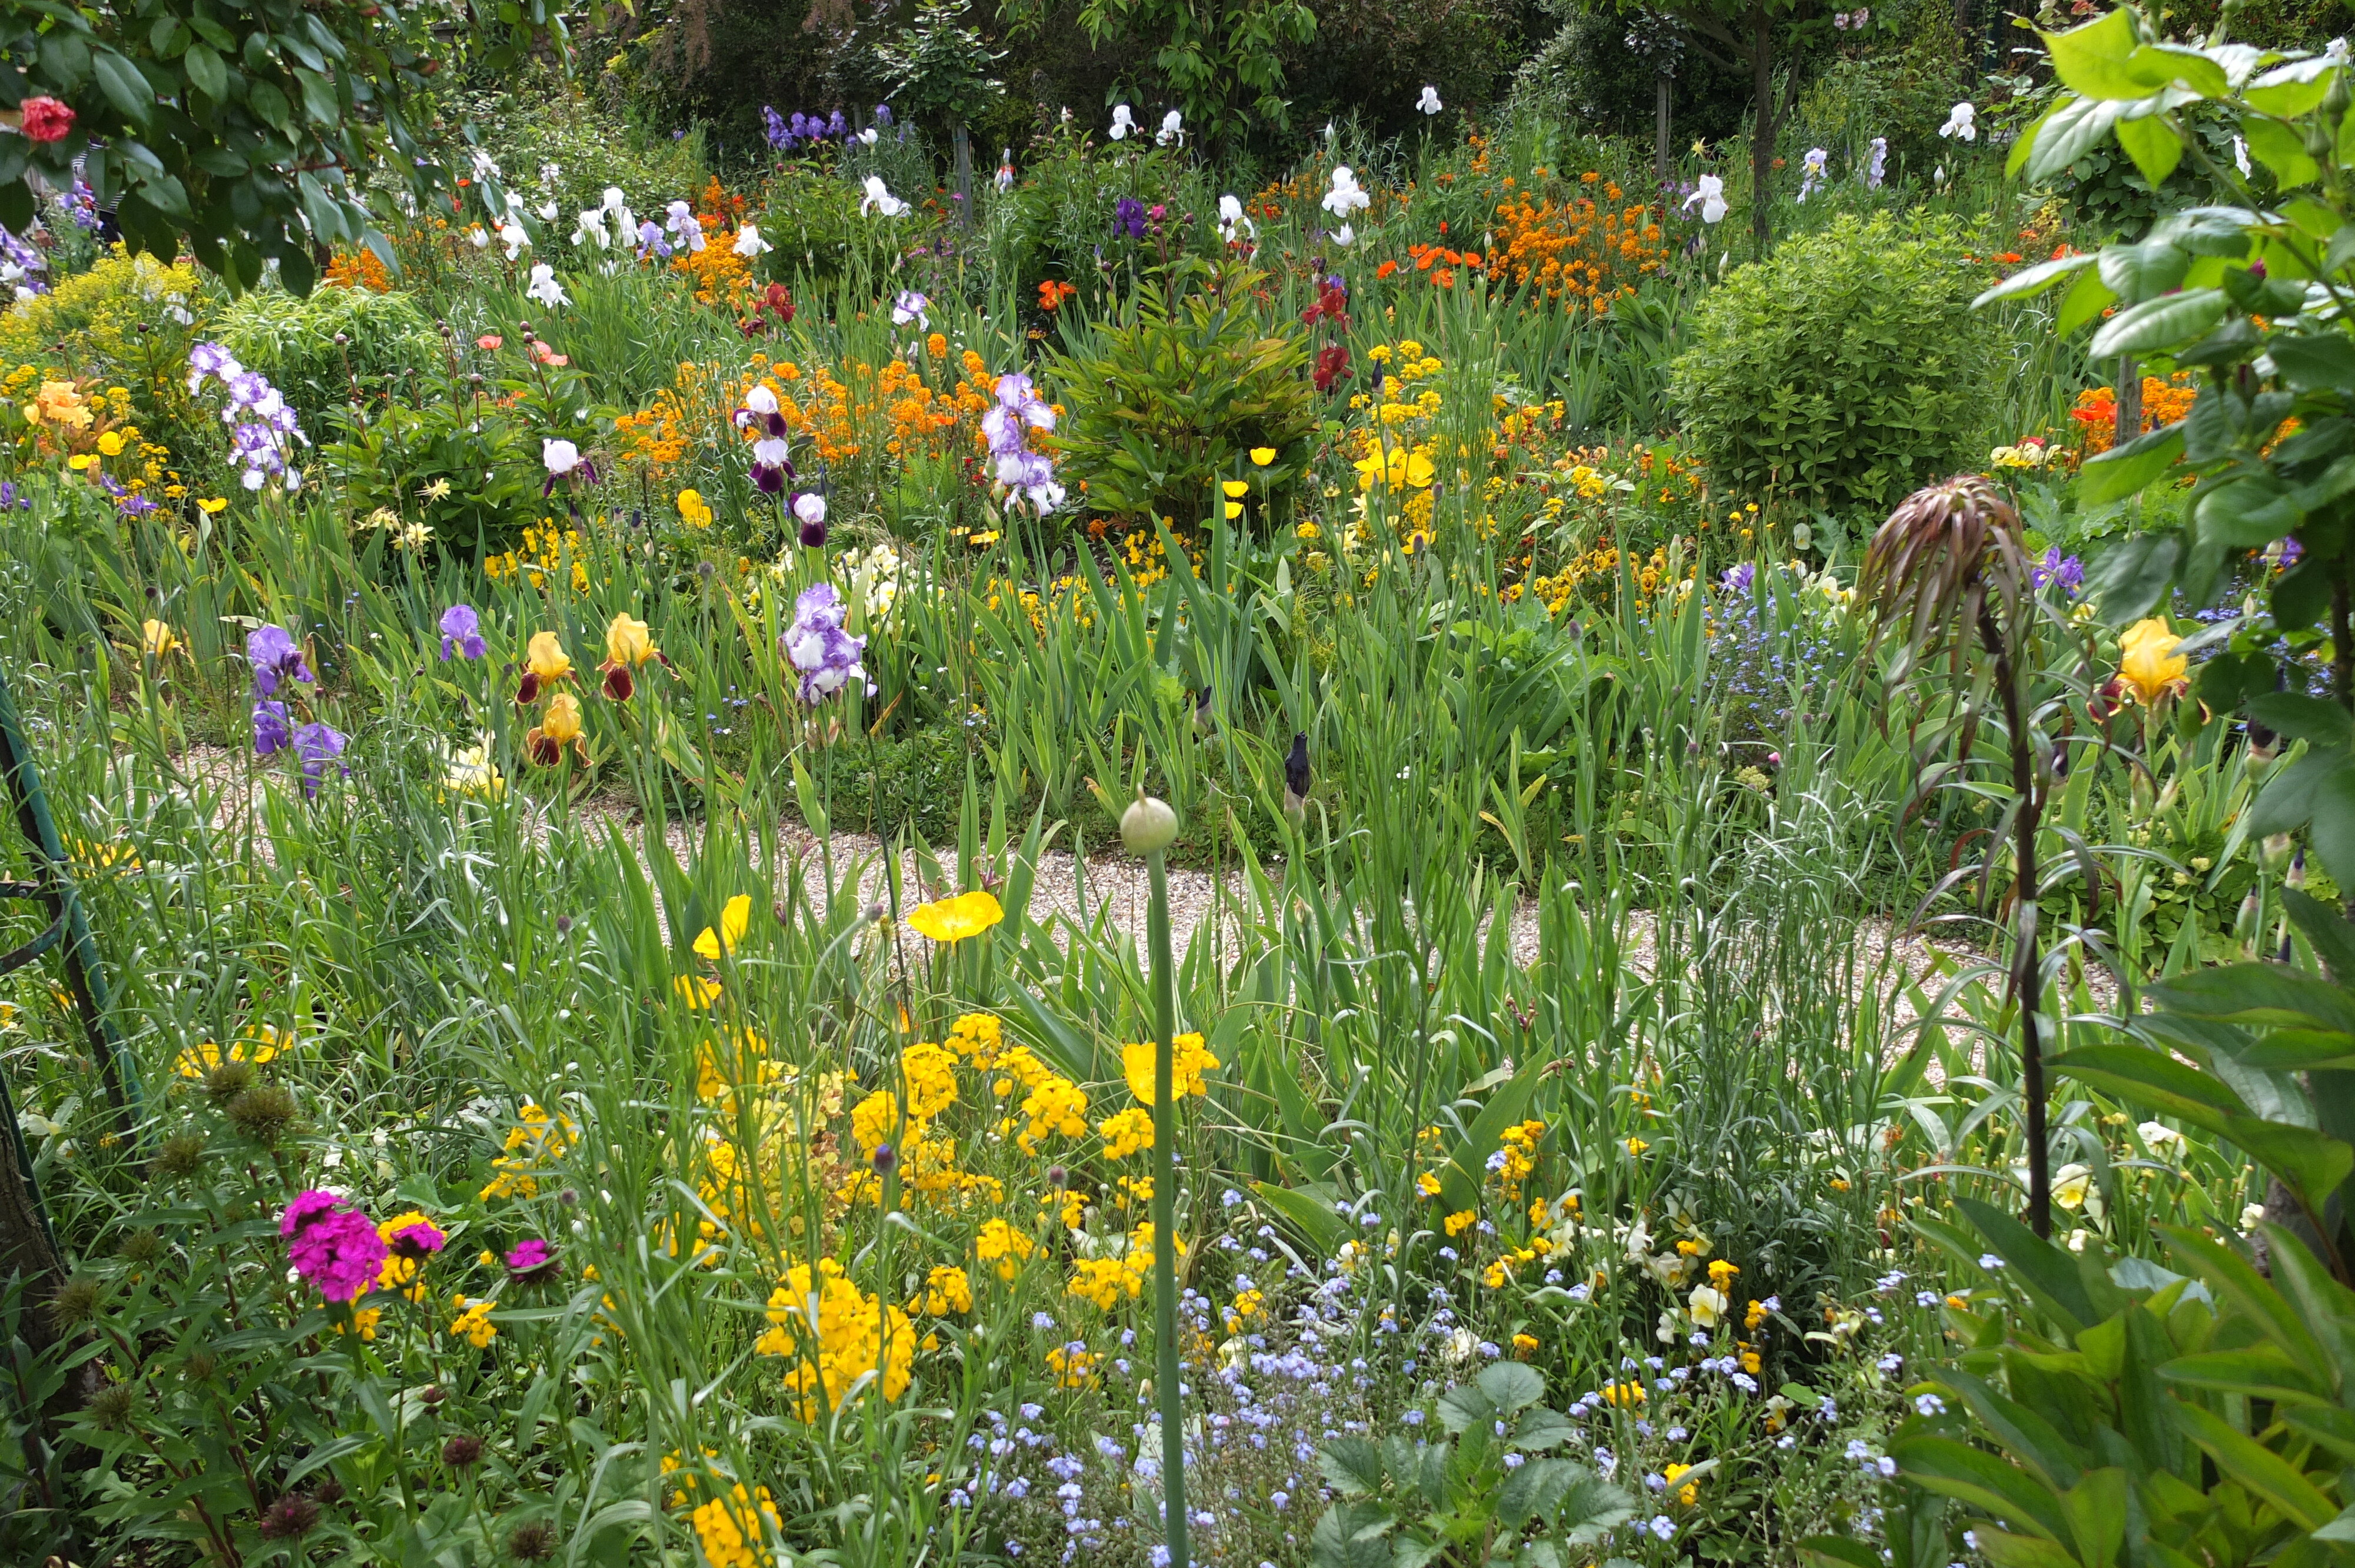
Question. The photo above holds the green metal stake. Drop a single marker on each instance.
(54, 886)
(1148, 828)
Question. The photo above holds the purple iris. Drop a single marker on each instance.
(780, 136)
(826, 655)
(836, 126)
(1128, 217)
(462, 633)
(272, 733)
(318, 745)
(271, 649)
(1018, 411)
(2056, 568)
(883, 115)
(651, 240)
(10, 500)
(1737, 579)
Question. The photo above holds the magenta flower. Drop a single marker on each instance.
(531, 1259)
(418, 1239)
(332, 1244)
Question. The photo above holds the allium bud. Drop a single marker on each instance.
(1148, 826)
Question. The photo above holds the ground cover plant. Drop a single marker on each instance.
(950, 824)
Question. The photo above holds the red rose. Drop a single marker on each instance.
(46, 120)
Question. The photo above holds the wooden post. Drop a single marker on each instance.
(2129, 402)
(1660, 126)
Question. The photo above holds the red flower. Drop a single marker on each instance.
(1332, 366)
(46, 120)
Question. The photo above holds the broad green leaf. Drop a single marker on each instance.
(2096, 1511)
(2043, 1270)
(123, 86)
(2152, 142)
(2074, 129)
(2154, 326)
(206, 72)
(2287, 800)
(2258, 992)
(2290, 90)
(2257, 1467)
(1303, 1207)
(2237, 1285)
(2143, 271)
(2087, 300)
(1533, 1490)
(2333, 828)
(2304, 717)
(1351, 1466)
(2151, 1078)
(2261, 1372)
(2121, 470)
(2031, 280)
(1512, 1385)
(2179, 66)
(2246, 514)
(2093, 60)
(2333, 939)
(1981, 1480)
(2280, 148)
(2312, 361)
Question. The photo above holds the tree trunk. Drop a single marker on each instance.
(1762, 131)
(1660, 128)
(964, 177)
(2027, 973)
(2129, 415)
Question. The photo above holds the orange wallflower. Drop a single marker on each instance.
(1051, 294)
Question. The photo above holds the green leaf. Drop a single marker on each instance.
(2121, 470)
(2258, 992)
(2075, 128)
(2151, 1078)
(1307, 1209)
(2086, 301)
(2281, 149)
(1511, 1386)
(2288, 798)
(2246, 514)
(1837, 1551)
(2143, 271)
(1533, 1491)
(2179, 66)
(2048, 1275)
(2333, 939)
(1957, 1470)
(2314, 361)
(2235, 1284)
(2262, 1371)
(123, 86)
(2093, 60)
(2288, 91)
(2257, 1467)
(2152, 142)
(2304, 717)
(2154, 326)
(2096, 1508)
(2333, 830)
(205, 72)
(1351, 1466)
(2032, 280)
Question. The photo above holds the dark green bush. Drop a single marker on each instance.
(1843, 371)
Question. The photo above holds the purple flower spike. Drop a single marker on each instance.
(318, 745)
(462, 633)
(272, 651)
(272, 733)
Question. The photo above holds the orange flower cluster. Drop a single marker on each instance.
(360, 268)
(1578, 250)
(718, 276)
(2163, 403)
(660, 437)
(897, 407)
(715, 209)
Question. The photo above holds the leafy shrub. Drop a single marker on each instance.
(316, 351)
(1163, 407)
(1843, 371)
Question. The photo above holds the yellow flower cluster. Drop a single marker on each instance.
(474, 1320)
(1189, 1059)
(729, 1528)
(545, 549)
(1105, 1282)
(533, 1145)
(1126, 1132)
(836, 1334)
(1001, 1244)
(946, 1291)
(1518, 1145)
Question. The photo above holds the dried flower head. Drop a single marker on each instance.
(463, 1450)
(263, 1112)
(1929, 568)
(75, 1302)
(139, 1246)
(291, 1518)
(532, 1543)
(111, 1407)
(182, 1154)
(229, 1080)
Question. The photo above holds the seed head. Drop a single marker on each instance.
(290, 1518)
(461, 1451)
(263, 1112)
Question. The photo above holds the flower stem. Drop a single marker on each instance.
(1165, 1210)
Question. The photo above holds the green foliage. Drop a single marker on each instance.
(556, 143)
(1899, 94)
(1840, 372)
(1406, 1500)
(336, 347)
(2240, 291)
(230, 125)
(939, 67)
(1164, 406)
(1221, 62)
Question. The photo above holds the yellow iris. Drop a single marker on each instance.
(693, 510)
(2148, 661)
(627, 641)
(546, 659)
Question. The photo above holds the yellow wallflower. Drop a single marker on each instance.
(946, 1291)
(1126, 1132)
(1003, 1245)
(474, 1320)
(1188, 1062)
(1460, 1222)
(729, 1528)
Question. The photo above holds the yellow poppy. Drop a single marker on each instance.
(2148, 661)
(693, 510)
(111, 443)
(212, 505)
(734, 921)
(1262, 456)
(1236, 489)
(1234, 510)
(954, 919)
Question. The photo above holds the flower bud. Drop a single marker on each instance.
(1148, 826)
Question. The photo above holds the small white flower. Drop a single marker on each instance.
(871, 135)
(1811, 176)
(561, 456)
(749, 243)
(810, 506)
(614, 200)
(1345, 236)
(2241, 156)
(880, 200)
(2158, 1136)
(909, 306)
(545, 288)
(513, 237)
(2251, 1213)
(1709, 191)
(1006, 170)
(1429, 102)
(1122, 122)
(1962, 122)
(1172, 130)
(548, 211)
(480, 236)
